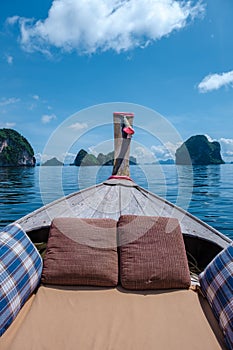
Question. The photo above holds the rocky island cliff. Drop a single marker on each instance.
(198, 150)
(83, 158)
(15, 150)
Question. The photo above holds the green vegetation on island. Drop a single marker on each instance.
(53, 162)
(85, 159)
(197, 150)
(15, 150)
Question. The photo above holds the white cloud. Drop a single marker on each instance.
(159, 151)
(215, 81)
(9, 59)
(36, 97)
(31, 106)
(10, 125)
(9, 101)
(172, 147)
(226, 148)
(166, 151)
(143, 155)
(78, 126)
(93, 151)
(47, 118)
(68, 157)
(100, 25)
(155, 153)
(7, 125)
(209, 138)
(12, 20)
(42, 157)
(103, 147)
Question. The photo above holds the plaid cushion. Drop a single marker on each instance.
(217, 285)
(20, 271)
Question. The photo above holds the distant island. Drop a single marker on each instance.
(84, 158)
(15, 150)
(53, 162)
(165, 162)
(197, 150)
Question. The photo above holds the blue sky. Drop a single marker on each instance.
(60, 57)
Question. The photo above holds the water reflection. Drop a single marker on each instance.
(207, 200)
(206, 180)
(184, 185)
(16, 177)
(17, 192)
(206, 191)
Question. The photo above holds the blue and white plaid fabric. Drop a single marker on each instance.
(216, 283)
(20, 272)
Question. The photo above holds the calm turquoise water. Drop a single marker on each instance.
(205, 191)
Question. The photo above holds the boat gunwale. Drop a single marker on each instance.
(49, 205)
(187, 213)
(143, 191)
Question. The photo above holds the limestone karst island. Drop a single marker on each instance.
(15, 150)
(198, 150)
(85, 159)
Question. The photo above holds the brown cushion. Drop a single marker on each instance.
(81, 252)
(152, 253)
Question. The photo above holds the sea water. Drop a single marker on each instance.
(205, 191)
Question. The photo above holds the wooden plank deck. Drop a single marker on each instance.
(117, 197)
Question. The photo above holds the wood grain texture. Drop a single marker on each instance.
(121, 145)
(117, 197)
